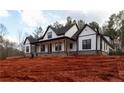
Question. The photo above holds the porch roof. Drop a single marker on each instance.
(52, 39)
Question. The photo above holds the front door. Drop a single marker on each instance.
(50, 48)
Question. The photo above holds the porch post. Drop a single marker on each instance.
(65, 46)
(30, 48)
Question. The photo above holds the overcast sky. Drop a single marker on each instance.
(27, 21)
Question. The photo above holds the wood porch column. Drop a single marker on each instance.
(30, 48)
(65, 46)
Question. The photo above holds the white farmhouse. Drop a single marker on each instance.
(69, 40)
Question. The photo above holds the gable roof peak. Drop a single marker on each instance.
(31, 39)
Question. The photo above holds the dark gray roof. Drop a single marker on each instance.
(62, 30)
(58, 31)
(31, 39)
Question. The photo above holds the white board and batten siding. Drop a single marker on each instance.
(98, 42)
(87, 33)
(71, 31)
(105, 47)
(53, 34)
(27, 43)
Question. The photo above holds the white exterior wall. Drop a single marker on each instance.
(93, 42)
(38, 48)
(87, 33)
(46, 48)
(71, 31)
(98, 42)
(27, 43)
(53, 34)
(107, 47)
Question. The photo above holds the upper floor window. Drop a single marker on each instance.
(49, 35)
(86, 44)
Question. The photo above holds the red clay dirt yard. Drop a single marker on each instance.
(63, 69)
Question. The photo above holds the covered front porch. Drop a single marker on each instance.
(58, 46)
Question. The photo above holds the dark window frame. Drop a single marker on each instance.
(86, 44)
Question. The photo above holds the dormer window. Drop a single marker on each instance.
(49, 35)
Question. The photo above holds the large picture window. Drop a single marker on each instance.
(86, 44)
(27, 49)
(49, 35)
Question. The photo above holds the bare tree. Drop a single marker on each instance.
(3, 32)
(38, 32)
(19, 36)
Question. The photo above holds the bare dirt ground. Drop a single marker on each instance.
(63, 69)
